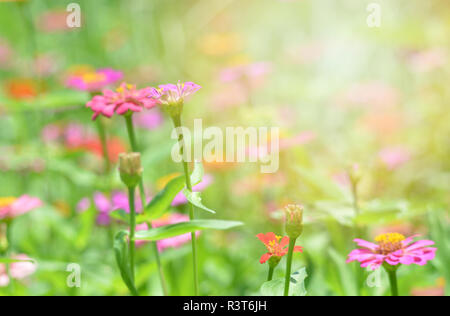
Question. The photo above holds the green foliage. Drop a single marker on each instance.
(276, 287)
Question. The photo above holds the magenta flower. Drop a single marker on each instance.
(17, 270)
(126, 98)
(394, 249)
(93, 81)
(105, 205)
(11, 207)
(171, 94)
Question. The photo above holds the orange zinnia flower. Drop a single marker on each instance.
(276, 246)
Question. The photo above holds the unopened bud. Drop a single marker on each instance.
(130, 168)
(354, 174)
(294, 220)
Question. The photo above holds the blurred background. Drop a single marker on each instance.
(342, 93)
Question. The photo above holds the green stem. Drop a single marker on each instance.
(287, 280)
(392, 273)
(8, 237)
(269, 277)
(102, 136)
(135, 148)
(132, 228)
(177, 124)
(8, 253)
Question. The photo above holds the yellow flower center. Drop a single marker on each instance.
(93, 77)
(390, 242)
(273, 245)
(6, 201)
(121, 88)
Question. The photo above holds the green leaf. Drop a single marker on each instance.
(49, 101)
(120, 215)
(11, 260)
(87, 219)
(344, 272)
(162, 201)
(296, 287)
(184, 228)
(382, 211)
(197, 174)
(196, 199)
(121, 253)
(321, 183)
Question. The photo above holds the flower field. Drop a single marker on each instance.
(224, 148)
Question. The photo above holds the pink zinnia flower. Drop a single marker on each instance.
(13, 207)
(126, 98)
(172, 94)
(17, 270)
(93, 81)
(394, 249)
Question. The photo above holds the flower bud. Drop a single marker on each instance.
(294, 220)
(130, 168)
(354, 174)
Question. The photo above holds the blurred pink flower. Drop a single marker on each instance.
(229, 95)
(53, 21)
(249, 71)
(427, 60)
(168, 94)
(394, 249)
(371, 94)
(17, 270)
(394, 157)
(45, 65)
(51, 133)
(300, 139)
(105, 205)
(285, 143)
(341, 178)
(83, 205)
(12, 207)
(6, 54)
(206, 182)
(74, 135)
(149, 120)
(93, 81)
(126, 98)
